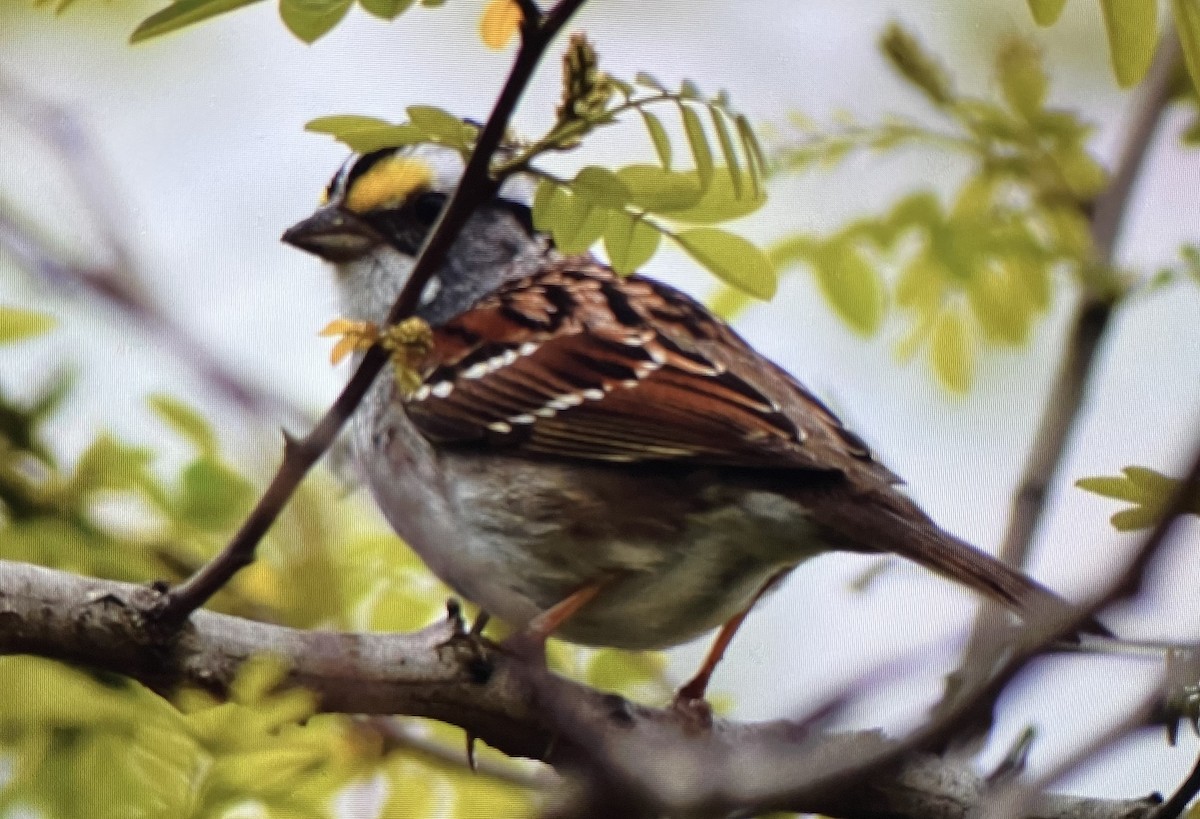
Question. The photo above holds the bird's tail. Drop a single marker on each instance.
(899, 526)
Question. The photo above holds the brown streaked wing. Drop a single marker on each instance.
(577, 362)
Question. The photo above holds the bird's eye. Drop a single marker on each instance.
(427, 206)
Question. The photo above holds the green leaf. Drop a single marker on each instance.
(756, 159)
(998, 306)
(213, 497)
(698, 140)
(1148, 490)
(386, 9)
(658, 135)
(629, 242)
(109, 464)
(364, 134)
(1132, 27)
(600, 186)
(678, 196)
(310, 20)
(951, 351)
(731, 259)
(732, 163)
(1022, 80)
(186, 421)
(910, 60)
(17, 324)
(1187, 24)
(658, 190)
(182, 13)
(438, 125)
(1046, 12)
(852, 286)
(649, 81)
(543, 204)
(574, 222)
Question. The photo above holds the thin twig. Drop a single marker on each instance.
(398, 733)
(1179, 800)
(1091, 323)
(1013, 800)
(475, 188)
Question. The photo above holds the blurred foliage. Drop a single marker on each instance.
(981, 269)
(1133, 33)
(1149, 491)
(632, 208)
(309, 20)
(76, 743)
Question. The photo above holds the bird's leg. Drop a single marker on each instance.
(692, 692)
(530, 642)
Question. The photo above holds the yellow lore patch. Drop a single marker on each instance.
(389, 182)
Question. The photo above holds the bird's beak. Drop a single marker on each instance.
(334, 234)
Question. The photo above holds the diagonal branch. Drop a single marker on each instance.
(1092, 318)
(475, 188)
(1065, 401)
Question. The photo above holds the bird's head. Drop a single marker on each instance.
(380, 207)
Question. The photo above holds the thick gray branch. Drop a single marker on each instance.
(442, 674)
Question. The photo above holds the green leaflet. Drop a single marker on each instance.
(312, 19)
(731, 259)
(186, 421)
(17, 324)
(629, 242)
(182, 13)
(952, 351)
(386, 9)
(1132, 27)
(658, 136)
(1046, 12)
(1187, 24)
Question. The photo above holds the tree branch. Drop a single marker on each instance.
(300, 455)
(1092, 318)
(1095, 311)
(444, 674)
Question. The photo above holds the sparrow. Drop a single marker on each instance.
(596, 456)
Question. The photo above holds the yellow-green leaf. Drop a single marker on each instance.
(213, 496)
(914, 64)
(386, 9)
(543, 205)
(1187, 24)
(629, 242)
(1019, 66)
(658, 135)
(659, 190)
(999, 305)
(438, 125)
(852, 286)
(1132, 27)
(186, 421)
(183, 13)
(698, 139)
(310, 20)
(952, 351)
(574, 223)
(732, 259)
(1046, 12)
(17, 324)
(600, 186)
(733, 165)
